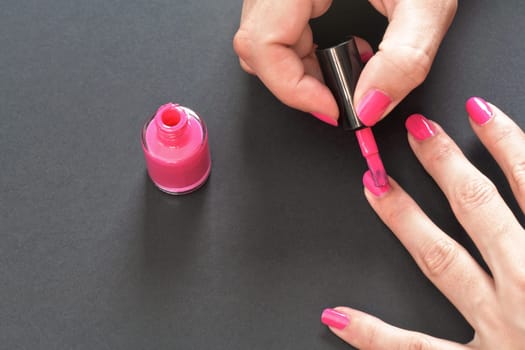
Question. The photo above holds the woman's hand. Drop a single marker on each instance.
(493, 305)
(275, 43)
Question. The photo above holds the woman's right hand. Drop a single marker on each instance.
(274, 42)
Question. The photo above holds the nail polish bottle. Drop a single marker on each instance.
(175, 145)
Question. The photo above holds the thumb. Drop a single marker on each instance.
(364, 331)
(405, 55)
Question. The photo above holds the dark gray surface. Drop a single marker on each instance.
(92, 256)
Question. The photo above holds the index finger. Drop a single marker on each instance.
(265, 42)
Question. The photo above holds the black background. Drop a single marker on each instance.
(93, 256)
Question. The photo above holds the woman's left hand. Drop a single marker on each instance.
(494, 305)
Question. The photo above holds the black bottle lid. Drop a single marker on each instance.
(341, 66)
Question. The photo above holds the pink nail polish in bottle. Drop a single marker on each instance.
(175, 144)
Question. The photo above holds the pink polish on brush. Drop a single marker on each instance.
(370, 184)
(175, 145)
(369, 150)
(341, 66)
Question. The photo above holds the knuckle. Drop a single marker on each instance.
(418, 342)
(420, 62)
(502, 134)
(484, 307)
(242, 44)
(442, 150)
(397, 213)
(500, 233)
(519, 280)
(371, 336)
(474, 193)
(518, 176)
(414, 63)
(439, 256)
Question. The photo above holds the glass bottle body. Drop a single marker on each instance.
(175, 144)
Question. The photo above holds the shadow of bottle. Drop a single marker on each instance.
(171, 229)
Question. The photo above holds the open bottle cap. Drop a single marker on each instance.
(341, 66)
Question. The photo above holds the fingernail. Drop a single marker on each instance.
(419, 127)
(479, 110)
(325, 119)
(335, 319)
(370, 184)
(372, 107)
(366, 56)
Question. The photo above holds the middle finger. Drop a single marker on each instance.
(473, 197)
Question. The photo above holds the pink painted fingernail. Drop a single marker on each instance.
(325, 119)
(372, 107)
(335, 319)
(370, 184)
(419, 127)
(479, 110)
(366, 56)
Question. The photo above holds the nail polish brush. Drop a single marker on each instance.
(341, 66)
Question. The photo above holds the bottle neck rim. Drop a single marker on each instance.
(170, 120)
